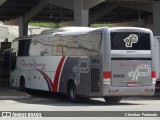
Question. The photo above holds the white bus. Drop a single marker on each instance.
(93, 62)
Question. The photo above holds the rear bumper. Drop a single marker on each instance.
(107, 90)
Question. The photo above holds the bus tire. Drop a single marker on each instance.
(73, 93)
(22, 84)
(112, 99)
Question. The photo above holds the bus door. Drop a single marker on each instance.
(22, 67)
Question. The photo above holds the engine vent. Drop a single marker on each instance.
(95, 79)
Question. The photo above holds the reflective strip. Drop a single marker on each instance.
(153, 81)
(106, 81)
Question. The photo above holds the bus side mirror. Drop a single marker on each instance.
(6, 57)
(9, 59)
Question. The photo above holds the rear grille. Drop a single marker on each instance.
(94, 79)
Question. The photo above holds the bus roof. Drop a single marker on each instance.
(125, 28)
(24, 37)
(67, 29)
(75, 31)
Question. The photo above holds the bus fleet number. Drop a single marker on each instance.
(118, 76)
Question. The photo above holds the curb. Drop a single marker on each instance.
(14, 97)
(10, 94)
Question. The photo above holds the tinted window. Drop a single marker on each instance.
(70, 45)
(23, 47)
(130, 41)
(41, 47)
(91, 44)
(73, 45)
(82, 45)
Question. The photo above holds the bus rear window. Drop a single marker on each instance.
(130, 41)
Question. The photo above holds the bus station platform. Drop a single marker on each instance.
(11, 93)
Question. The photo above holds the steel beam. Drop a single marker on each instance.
(2, 1)
(35, 10)
(139, 6)
(69, 4)
(102, 12)
(91, 3)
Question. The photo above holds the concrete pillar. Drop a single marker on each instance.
(23, 27)
(20, 22)
(80, 14)
(156, 18)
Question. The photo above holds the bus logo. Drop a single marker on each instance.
(133, 38)
(141, 70)
(82, 67)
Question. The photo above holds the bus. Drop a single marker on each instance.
(110, 63)
(157, 57)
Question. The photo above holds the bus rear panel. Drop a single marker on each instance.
(132, 70)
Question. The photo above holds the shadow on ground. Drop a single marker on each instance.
(48, 98)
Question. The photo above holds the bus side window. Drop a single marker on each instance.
(74, 45)
(65, 45)
(41, 47)
(35, 48)
(57, 45)
(46, 47)
(91, 44)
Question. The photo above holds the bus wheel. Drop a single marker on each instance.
(22, 84)
(112, 99)
(73, 92)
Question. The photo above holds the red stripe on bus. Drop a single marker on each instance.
(56, 78)
(47, 77)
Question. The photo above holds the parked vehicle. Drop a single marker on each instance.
(91, 62)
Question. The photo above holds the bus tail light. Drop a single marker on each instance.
(107, 77)
(153, 77)
(153, 74)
